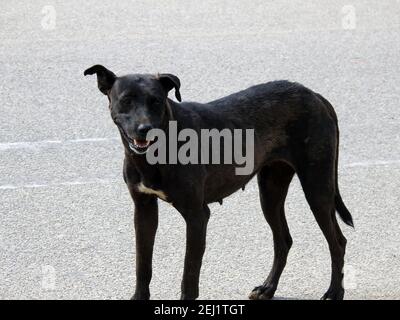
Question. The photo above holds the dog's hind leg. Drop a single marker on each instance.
(273, 183)
(318, 184)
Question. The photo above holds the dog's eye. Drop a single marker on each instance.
(125, 105)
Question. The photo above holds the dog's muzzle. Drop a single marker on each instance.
(139, 146)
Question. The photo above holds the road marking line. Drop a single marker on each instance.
(28, 145)
(372, 163)
(92, 140)
(58, 184)
(50, 143)
(5, 146)
(363, 164)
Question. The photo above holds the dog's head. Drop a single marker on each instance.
(138, 103)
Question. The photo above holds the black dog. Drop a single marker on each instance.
(295, 131)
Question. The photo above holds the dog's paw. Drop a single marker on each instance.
(187, 297)
(332, 294)
(140, 296)
(264, 292)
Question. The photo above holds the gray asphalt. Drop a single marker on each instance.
(66, 228)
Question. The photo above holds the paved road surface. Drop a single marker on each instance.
(66, 228)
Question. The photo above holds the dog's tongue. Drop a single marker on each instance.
(142, 143)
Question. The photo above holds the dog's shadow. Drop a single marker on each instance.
(285, 298)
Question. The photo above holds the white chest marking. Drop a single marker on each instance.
(142, 188)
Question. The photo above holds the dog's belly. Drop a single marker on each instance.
(222, 183)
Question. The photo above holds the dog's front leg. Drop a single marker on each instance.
(196, 227)
(146, 221)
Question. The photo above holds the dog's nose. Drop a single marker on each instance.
(143, 129)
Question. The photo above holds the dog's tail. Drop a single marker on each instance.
(344, 213)
(341, 209)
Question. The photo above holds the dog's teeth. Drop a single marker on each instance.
(138, 148)
(141, 144)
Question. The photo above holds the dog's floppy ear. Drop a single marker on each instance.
(170, 81)
(105, 78)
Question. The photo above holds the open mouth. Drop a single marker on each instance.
(138, 146)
